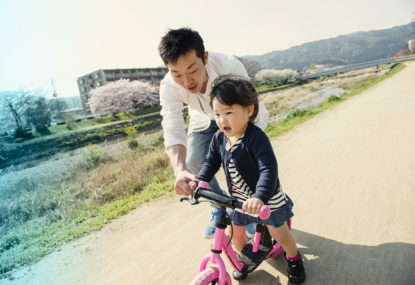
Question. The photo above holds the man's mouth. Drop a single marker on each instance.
(192, 88)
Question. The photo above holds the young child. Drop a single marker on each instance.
(250, 166)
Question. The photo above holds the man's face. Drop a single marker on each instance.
(189, 72)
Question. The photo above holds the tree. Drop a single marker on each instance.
(26, 109)
(122, 96)
(39, 113)
(17, 103)
(57, 106)
(274, 76)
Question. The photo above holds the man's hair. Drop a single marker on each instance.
(178, 42)
(231, 89)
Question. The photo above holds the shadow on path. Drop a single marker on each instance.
(331, 262)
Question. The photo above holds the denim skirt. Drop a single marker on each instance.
(277, 218)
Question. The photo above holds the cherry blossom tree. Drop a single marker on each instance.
(272, 76)
(122, 96)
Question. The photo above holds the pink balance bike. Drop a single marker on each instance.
(252, 255)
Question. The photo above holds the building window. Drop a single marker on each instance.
(96, 75)
(81, 81)
(98, 84)
(83, 89)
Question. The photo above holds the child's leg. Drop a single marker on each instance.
(239, 237)
(296, 273)
(283, 235)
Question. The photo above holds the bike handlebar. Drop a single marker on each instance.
(203, 192)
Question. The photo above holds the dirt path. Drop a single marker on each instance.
(351, 174)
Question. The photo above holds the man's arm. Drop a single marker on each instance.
(184, 180)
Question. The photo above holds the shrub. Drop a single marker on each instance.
(91, 156)
(333, 98)
(298, 113)
(9, 243)
(132, 141)
(158, 141)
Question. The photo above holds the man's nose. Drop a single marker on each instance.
(187, 80)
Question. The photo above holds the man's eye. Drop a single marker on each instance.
(194, 71)
(228, 113)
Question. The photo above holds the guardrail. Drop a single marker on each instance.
(357, 66)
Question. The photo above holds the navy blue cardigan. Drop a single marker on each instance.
(254, 159)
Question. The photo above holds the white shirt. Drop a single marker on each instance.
(172, 97)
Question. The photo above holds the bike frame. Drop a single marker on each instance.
(221, 243)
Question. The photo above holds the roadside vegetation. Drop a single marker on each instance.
(296, 116)
(38, 216)
(72, 126)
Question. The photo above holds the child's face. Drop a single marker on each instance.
(232, 120)
(189, 72)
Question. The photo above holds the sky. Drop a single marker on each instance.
(62, 40)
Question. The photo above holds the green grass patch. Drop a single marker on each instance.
(270, 87)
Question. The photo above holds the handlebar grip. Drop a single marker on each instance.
(203, 184)
(264, 213)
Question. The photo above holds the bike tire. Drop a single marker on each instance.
(209, 276)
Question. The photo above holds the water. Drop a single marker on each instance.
(323, 95)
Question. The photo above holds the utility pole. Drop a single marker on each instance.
(54, 94)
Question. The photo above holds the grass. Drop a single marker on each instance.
(36, 217)
(271, 87)
(82, 125)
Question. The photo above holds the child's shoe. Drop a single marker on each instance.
(237, 275)
(296, 272)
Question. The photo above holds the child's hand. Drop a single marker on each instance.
(252, 206)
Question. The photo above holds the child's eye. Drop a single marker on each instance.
(228, 113)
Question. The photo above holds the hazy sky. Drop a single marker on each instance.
(65, 39)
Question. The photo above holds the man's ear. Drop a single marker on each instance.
(251, 109)
(206, 55)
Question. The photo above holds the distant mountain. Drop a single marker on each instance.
(342, 50)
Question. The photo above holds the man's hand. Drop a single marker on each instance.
(252, 206)
(184, 183)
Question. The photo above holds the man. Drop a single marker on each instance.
(191, 73)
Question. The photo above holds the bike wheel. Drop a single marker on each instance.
(209, 276)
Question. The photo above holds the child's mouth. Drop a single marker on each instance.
(227, 129)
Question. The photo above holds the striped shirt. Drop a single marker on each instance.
(241, 191)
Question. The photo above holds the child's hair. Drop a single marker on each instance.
(230, 90)
(178, 42)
